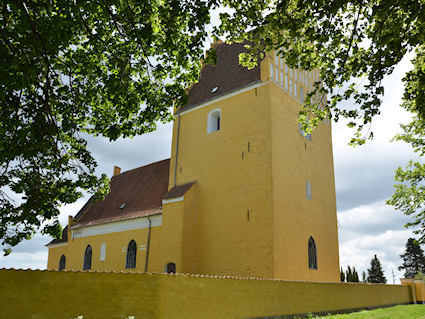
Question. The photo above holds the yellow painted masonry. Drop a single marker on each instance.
(247, 213)
(146, 296)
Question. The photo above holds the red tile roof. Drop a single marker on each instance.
(178, 191)
(228, 75)
(141, 190)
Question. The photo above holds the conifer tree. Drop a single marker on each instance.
(375, 272)
(351, 274)
(364, 276)
(342, 275)
(413, 259)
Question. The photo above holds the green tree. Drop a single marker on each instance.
(110, 68)
(375, 274)
(342, 275)
(413, 259)
(364, 276)
(349, 41)
(351, 274)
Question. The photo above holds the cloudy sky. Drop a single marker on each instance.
(363, 176)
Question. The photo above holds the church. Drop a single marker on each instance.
(246, 192)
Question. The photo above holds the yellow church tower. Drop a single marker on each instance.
(266, 203)
(246, 193)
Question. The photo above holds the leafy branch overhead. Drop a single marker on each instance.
(349, 41)
(69, 67)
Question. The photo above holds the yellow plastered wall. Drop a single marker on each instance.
(296, 160)
(232, 168)
(53, 294)
(179, 233)
(116, 251)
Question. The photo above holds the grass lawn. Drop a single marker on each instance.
(405, 312)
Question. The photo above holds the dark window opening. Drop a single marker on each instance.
(170, 268)
(62, 262)
(131, 255)
(312, 256)
(87, 258)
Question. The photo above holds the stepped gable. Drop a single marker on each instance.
(228, 75)
(141, 190)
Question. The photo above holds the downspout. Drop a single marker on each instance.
(147, 246)
(177, 151)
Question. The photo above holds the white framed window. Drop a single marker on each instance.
(291, 73)
(214, 121)
(301, 131)
(102, 251)
(296, 74)
(276, 59)
(287, 69)
(271, 70)
(295, 89)
(281, 63)
(308, 189)
(277, 75)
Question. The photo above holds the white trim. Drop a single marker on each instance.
(116, 227)
(225, 96)
(173, 200)
(57, 245)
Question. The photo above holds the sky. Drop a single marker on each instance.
(364, 179)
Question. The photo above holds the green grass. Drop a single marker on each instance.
(405, 312)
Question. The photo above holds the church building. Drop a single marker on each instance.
(245, 193)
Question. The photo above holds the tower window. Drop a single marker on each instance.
(312, 256)
(62, 262)
(131, 255)
(300, 129)
(308, 189)
(214, 121)
(87, 258)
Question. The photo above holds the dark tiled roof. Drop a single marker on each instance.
(178, 191)
(64, 238)
(228, 75)
(141, 190)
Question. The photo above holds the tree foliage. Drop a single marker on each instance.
(349, 41)
(375, 274)
(350, 275)
(413, 259)
(72, 67)
(355, 44)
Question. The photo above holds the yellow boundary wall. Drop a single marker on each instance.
(68, 294)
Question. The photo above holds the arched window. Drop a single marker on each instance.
(62, 263)
(312, 256)
(131, 255)
(170, 268)
(87, 258)
(214, 121)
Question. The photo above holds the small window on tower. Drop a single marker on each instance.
(214, 121)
